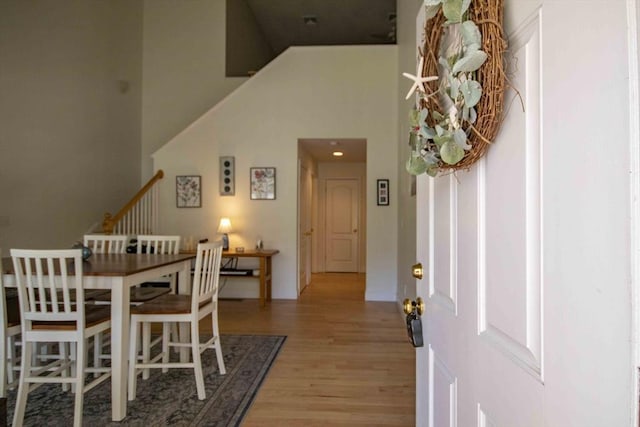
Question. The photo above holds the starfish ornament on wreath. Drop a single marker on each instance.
(418, 80)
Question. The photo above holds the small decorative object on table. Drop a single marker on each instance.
(86, 251)
(240, 249)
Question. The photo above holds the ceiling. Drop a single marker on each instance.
(325, 22)
(321, 149)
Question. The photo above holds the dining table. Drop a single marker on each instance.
(118, 273)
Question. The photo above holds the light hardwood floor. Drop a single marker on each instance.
(345, 361)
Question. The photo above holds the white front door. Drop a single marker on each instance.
(526, 255)
(342, 213)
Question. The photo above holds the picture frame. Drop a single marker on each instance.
(263, 183)
(383, 192)
(188, 191)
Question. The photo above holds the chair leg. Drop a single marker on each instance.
(97, 352)
(133, 359)
(23, 387)
(197, 363)
(5, 366)
(146, 347)
(166, 338)
(63, 352)
(78, 385)
(11, 361)
(216, 344)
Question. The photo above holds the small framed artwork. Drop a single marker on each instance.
(188, 191)
(263, 183)
(383, 192)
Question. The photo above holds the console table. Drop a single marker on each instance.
(264, 255)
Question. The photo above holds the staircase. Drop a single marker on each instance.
(139, 215)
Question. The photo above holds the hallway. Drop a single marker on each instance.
(345, 361)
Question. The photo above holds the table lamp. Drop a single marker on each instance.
(224, 228)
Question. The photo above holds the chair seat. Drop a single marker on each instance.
(138, 295)
(165, 304)
(93, 315)
(147, 294)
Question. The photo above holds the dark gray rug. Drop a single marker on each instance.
(169, 399)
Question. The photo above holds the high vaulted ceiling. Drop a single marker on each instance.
(325, 22)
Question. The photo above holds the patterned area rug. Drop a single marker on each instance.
(169, 399)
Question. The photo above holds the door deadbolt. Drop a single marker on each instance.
(416, 270)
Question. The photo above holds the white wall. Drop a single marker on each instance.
(70, 85)
(184, 68)
(407, 52)
(314, 92)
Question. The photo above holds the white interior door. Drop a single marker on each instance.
(304, 227)
(528, 316)
(342, 212)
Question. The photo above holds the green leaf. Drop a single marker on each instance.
(416, 164)
(429, 3)
(454, 87)
(426, 132)
(470, 62)
(432, 171)
(471, 92)
(470, 33)
(460, 138)
(451, 153)
(431, 11)
(454, 10)
(437, 116)
(424, 112)
(472, 115)
(413, 140)
(414, 116)
(444, 63)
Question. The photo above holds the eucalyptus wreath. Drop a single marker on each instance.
(445, 132)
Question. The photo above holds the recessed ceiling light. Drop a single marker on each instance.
(338, 153)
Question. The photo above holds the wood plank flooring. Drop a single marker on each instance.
(345, 361)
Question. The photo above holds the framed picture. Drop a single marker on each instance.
(188, 191)
(263, 183)
(383, 192)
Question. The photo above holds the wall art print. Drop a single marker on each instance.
(188, 191)
(263, 183)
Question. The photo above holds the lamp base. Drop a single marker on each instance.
(225, 242)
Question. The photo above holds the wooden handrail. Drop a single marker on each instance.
(109, 222)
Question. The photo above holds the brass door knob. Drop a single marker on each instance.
(408, 306)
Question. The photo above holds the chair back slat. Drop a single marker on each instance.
(161, 244)
(106, 243)
(45, 280)
(207, 273)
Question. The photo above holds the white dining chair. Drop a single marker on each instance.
(160, 244)
(106, 243)
(50, 311)
(9, 331)
(190, 309)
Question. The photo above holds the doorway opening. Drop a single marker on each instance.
(331, 207)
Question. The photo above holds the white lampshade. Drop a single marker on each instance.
(225, 226)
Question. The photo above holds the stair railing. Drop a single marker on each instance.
(139, 215)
